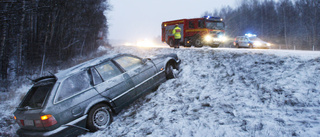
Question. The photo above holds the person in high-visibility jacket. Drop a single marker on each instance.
(177, 36)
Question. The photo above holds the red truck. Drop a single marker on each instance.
(196, 31)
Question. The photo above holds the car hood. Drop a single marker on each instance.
(172, 55)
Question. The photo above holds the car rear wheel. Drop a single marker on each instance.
(100, 117)
(169, 71)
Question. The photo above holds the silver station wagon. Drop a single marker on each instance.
(85, 97)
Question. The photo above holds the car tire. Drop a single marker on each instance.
(169, 71)
(214, 45)
(99, 117)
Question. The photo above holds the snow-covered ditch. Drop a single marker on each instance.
(220, 92)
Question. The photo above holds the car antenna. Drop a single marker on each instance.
(51, 73)
(29, 78)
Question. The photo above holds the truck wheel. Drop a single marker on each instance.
(171, 43)
(197, 42)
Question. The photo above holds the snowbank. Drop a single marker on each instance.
(228, 92)
(221, 92)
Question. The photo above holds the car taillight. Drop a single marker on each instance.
(46, 121)
(20, 122)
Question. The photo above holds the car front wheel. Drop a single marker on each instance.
(99, 117)
(169, 71)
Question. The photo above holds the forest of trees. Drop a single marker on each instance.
(288, 24)
(36, 34)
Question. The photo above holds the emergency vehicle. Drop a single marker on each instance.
(250, 41)
(196, 31)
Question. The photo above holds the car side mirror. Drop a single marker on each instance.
(145, 60)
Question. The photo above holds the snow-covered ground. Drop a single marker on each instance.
(219, 92)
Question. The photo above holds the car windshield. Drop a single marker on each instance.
(255, 39)
(215, 25)
(35, 98)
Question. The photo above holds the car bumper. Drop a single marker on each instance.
(72, 128)
(261, 46)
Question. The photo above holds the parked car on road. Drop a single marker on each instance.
(85, 97)
(250, 41)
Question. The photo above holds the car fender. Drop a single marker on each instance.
(173, 60)
(98, 101)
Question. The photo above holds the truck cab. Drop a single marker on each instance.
(197, 31)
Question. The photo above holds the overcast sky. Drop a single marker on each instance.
(133, 20)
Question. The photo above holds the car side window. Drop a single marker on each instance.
(95, 76)
(73, 85)
(128, 62)
(107, 70)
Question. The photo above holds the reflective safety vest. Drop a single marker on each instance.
(177, 33)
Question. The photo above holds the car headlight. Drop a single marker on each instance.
(257, 43)
(268, 44)
(208, 38)
(223, 38)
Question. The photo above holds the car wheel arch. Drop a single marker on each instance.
(173, 63)
(99, 116)
(92, 104)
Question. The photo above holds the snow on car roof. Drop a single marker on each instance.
(67, 72)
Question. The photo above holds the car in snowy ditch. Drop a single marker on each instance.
(250, 41)
(85, 97)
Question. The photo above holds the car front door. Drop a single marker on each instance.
(140, 72)
(112, 83)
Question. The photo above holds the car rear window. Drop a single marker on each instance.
(74, 85)
(35, 98)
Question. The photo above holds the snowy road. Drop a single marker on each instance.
(222, 92)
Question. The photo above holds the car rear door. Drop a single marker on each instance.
(112, 83)
(73, 95)
(141, 72)
(242, 42)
